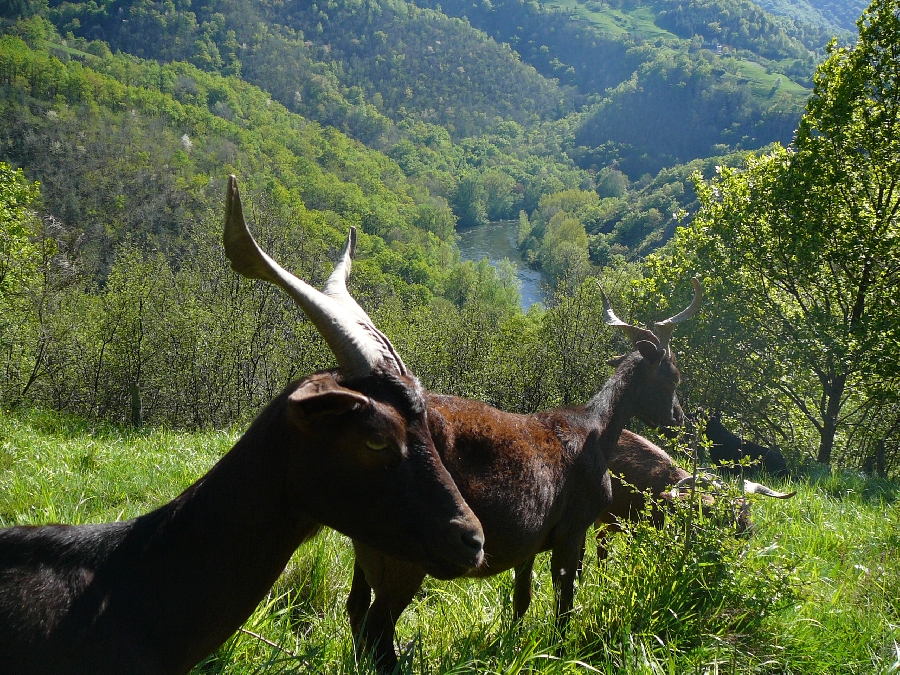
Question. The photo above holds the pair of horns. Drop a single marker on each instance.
(664, 328)
(357, 344)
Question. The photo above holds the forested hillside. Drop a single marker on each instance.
(401, 79)
(830, 14)
(389, 54)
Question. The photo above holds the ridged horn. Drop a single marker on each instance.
(759, 489)
(666, 327)
(352, 337)
(336, 288)
(634, 333)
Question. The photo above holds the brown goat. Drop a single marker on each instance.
(639, 467)
(347, 448)
(536, 482)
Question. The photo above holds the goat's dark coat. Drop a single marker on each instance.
(154, 595)
(729, 448)
(638, 467)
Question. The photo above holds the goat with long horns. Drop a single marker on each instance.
(349, 448)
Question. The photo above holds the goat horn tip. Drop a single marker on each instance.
(351, 241)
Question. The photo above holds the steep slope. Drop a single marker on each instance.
(667, 94)
(490, 106)
(405, 61)
(836, 16)
(131, 151)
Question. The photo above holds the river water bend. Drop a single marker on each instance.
(495, 241)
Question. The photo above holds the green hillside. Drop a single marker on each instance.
(626, 62)
(135, 150)
(634, 157)
(837, 16)
(490, 106)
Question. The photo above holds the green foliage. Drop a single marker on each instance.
(557, 239)
(832, 15)
(662, 99)
(175, 127)
(685, 584)
(330, 62)
(14, 9)
(18, 252)
(742, 25)
(26, 251)
(798, 253)
(470, 201)
(707, 105)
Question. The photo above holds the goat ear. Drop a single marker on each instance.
(616, 360)
(318, 397)
(650, 351)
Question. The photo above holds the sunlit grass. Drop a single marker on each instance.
(635, 21)
(641, 21)
(814, 590)
(55, 468)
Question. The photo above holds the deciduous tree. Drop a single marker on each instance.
(800, 247)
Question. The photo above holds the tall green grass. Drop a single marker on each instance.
(815, 589)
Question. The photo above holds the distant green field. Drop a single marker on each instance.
(763, 84)
(640, 23)
(54, 47)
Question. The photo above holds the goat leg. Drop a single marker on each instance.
(565, 563)
(394, 583)
(358, 601)
(522, 591)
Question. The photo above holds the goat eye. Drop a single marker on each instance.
(377, 444)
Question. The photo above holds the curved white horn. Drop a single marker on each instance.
(634, 333)
(666, 327)
(336, 287)
(357, 345)
(759, 489)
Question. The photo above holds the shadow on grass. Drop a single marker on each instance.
(852, 486)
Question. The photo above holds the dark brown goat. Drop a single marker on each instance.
(536, 482)
(639, 467)
(729, 449)
(347, 448)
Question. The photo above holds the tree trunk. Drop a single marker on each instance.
(829, 424)
(137, 409)
(880, 467)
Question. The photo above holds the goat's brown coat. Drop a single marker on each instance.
(639, 467)
(536, 483)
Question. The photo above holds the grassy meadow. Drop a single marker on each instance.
(816, 589)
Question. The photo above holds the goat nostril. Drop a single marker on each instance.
(473, 540)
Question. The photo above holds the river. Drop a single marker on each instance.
(495, 241)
